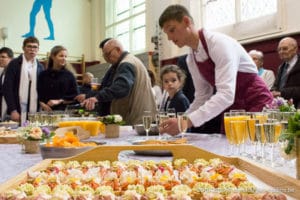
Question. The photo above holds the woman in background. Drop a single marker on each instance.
(173, 78)
(57, 86)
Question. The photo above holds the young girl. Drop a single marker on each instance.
(173, 78)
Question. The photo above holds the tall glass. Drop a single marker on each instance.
(241, 114)
(32, 118)
(285, 119)
(171, 112)
(95, 84)
(251, 132)
(232, 115)
(260, 135)
(269, 130)
(162, 117)
(238, 133)
(182, 123)
(261, 116)
(147, 120)
(227, 119)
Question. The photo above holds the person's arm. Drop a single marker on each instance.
(42, 91)
(9, 87)
(70, 88)
(121, 86)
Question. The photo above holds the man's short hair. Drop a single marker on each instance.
(8, 51)
(103, 42)
(173, 12)
(30, 39)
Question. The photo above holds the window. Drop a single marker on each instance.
(125, 20)
(239, 18)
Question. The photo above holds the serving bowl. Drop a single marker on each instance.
(62, 152)
(9, 124)
(140, 130)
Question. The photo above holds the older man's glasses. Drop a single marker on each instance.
(108, 53)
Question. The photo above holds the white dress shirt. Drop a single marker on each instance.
(229, 58)
(268, 77)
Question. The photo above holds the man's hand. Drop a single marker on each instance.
(80, 98)
(15, 116)
(276, 93)
(169, 126)
(45, 107)
(54, 102)
(89, 103)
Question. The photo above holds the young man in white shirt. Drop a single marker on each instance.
(223, 73)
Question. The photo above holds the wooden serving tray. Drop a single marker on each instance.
(272, 178)
(9, 140)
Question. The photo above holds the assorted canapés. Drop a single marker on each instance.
(178, 180)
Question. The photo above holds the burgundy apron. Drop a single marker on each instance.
(251, 92)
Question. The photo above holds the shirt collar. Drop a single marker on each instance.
(293, 61)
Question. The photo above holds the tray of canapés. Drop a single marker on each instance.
(192, 174)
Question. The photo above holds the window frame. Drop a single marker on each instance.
(111, 24)
(251, 28)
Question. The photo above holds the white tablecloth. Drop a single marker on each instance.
(13, 161)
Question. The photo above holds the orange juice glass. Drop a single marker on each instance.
(278, 128)
(262, 117)
(227, 119)
(238, 129)
(251, 129)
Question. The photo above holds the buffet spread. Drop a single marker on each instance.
(192, 174)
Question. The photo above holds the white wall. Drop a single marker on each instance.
(71, 19)
(79, 24)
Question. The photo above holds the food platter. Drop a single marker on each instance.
(154, 152)
(263, 175)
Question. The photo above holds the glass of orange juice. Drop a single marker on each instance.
(261, 116)
(227, 119)
(238, 133)
(241, 114)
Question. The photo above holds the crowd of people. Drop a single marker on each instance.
(215, 76)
